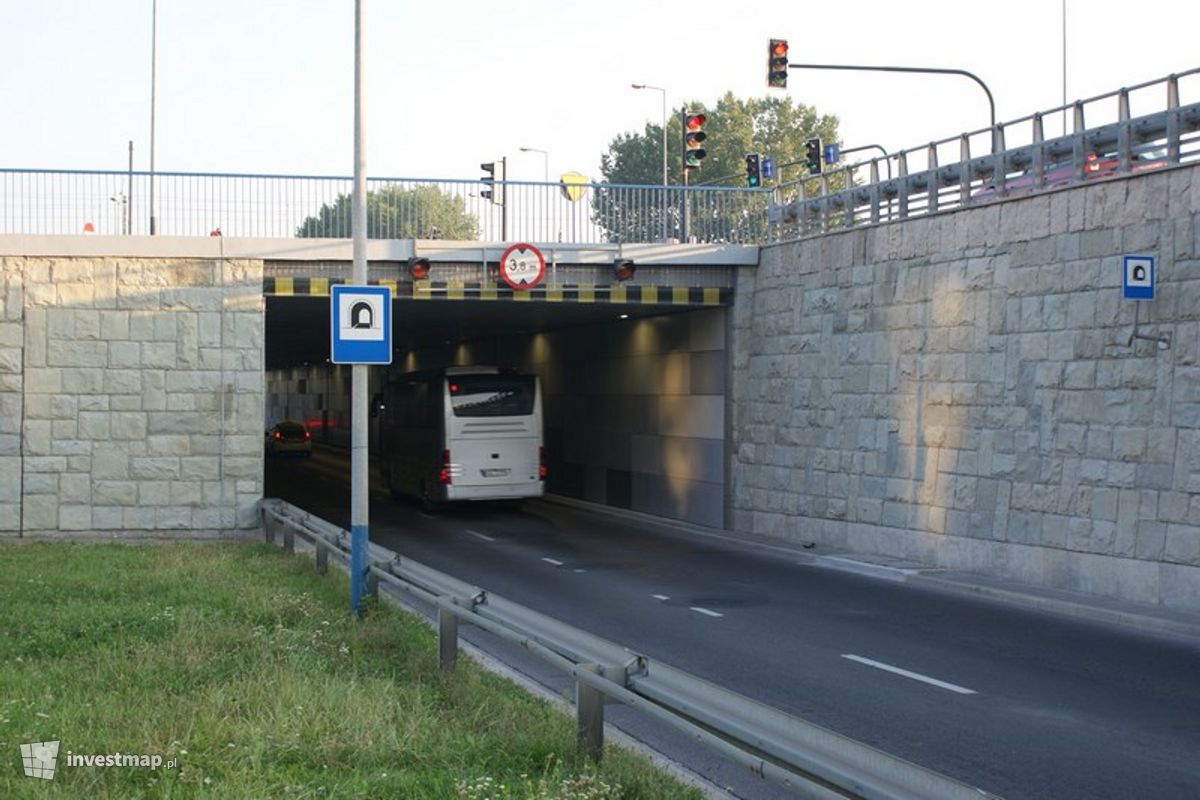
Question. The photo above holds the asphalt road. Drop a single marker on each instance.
(1022, 703)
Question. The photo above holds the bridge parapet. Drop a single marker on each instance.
(953, 173)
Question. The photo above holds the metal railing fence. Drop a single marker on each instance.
(775, 746)
(1015, 158)
(284, 206)
(1135, 129)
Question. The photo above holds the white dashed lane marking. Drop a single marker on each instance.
(661, 596)
(479, 535)
(553, 561)
(706, 612)
(916, 676)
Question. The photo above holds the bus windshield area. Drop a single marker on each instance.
(491, 395)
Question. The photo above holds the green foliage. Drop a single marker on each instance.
(775, 127)
(395, 212)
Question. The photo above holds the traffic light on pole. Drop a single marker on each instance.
(777, 64)
(693, 140)
(753, 171)
(812, 156)
(493, 171)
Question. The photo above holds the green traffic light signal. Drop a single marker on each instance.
(753, 170)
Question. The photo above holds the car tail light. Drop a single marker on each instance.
(307, 435)
(444, 473)
(277, 436)
(541, 463)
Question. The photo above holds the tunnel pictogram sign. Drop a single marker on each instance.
(360, 324)
(1137, 279)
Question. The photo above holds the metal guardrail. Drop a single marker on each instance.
(929, 179)
(975, 167)
(780, 748)
(283, 206)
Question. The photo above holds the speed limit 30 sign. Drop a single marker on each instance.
(522, 266)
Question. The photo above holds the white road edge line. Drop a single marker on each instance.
(553, 561)
(479, 535)
(661, 596)
(706, 612)
(916, 676)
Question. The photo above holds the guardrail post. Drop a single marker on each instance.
(589, 716)
(447, 640)
(289, 539)
(964, 170)
(1039, 153)
(902, 174)
(874, 191)
(322, 557)
(1173, 119)
(372, 583)
(1124, 140)
(935, 181)
(1000, 163)
(1077, 143)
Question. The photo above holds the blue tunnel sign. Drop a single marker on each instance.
(360, 324)
(1137, 279)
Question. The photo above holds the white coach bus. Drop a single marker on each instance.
(462, 433)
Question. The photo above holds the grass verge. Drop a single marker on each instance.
(243, 666)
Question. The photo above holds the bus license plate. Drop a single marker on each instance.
(495, 473)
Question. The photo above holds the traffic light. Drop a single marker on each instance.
(493, 181)
(418, 268)
(623, 269)
(693, 140)
(812, 156)
(777, 64)
(753, 171)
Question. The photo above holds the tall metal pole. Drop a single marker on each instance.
(359, 489)
(1064, 55)
(153, 87)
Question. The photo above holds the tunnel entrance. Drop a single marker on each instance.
(634, 393)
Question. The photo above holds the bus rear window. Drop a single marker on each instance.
(491, 395)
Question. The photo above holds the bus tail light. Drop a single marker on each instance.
(444, 472)
(541, 463)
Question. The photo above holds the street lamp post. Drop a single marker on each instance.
(925, 70)
(153, 81)
(545, 161)
(663, 92)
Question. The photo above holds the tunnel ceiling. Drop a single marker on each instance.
(297, 328)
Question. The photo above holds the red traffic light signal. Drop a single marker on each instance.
(777, 64)
(693, 139)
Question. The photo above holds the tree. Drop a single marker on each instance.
(773, 126)
(395, 212)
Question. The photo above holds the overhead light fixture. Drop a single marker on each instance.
(418, 268)
(623, 269)
(623, 316)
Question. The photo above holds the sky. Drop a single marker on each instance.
(267, 86)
